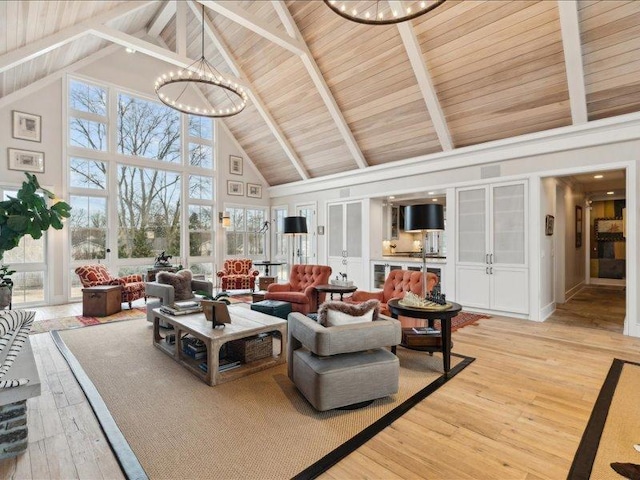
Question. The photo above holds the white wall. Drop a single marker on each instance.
(574, 262)
(48, 104)
(547, 247)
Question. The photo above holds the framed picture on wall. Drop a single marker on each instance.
(235, 165)
(254, 190)
(235, 188)
(27, 126)
(548, 224)
(578, 226)
(26, 160)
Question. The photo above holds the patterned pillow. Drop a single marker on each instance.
(332, 314)
(180, 281)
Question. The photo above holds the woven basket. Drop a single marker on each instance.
(251, 348)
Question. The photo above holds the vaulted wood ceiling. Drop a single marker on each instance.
(328, 95)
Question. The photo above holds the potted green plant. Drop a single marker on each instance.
(26, 214)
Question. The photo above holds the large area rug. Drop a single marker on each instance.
(613, 428)
(258, 426)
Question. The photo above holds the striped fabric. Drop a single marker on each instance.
(14, 332)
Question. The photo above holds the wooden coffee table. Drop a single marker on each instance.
(244, 323)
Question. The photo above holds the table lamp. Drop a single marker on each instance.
(424, 218)
(293, 226)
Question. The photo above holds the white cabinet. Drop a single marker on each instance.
(380, 272)
(345, 240)
(491, 262)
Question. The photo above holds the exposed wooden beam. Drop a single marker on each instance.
(423, 77)
(162, 18)
(181, 28)
(321, 85)
(44, 45)
(253, 23)
(281, 10)
(224, 50)
(570, 28)
(142, 46)
(55, 76)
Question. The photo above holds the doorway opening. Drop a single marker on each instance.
(589, 250)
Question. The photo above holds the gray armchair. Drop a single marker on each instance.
(343, 365)
(166, 295)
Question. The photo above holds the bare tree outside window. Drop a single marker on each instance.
(149, 200)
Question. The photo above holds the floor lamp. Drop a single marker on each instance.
(293, 226)
(424, 218)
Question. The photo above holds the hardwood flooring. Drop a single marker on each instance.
(594, 307)
(517, 412)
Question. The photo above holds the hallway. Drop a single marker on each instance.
(599, 307)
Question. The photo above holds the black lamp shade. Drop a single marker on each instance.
(295, 225)
(424, 217)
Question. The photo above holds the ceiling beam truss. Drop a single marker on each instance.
(425, 82)
(572, 46)
(321, 85)
(253, 23)
(162, 18)
(224, 50)
(44, 45)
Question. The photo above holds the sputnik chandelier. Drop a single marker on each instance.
(381, 12)
(170, 88)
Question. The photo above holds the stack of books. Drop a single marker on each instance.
(228, 364)
(426, 331)
(194, 348)
(182, 308)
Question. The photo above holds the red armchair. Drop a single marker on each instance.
(132, 286)
(238, 274)
(300, 292)
(397, 284)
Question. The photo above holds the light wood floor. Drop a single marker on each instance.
(517, 412)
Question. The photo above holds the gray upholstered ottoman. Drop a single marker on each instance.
(345, 379)
(275, 308)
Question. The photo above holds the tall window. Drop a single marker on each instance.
(244, 238)
(87, 116)
(133, 176)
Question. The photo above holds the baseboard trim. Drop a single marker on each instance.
(573, 291)
(546, 312)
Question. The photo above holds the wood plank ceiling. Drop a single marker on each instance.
(496, 70)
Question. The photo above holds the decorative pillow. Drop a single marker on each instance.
(332, 314)
(180, 281)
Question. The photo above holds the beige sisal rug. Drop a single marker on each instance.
(614, 427)
(256, 427)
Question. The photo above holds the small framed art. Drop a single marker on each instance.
(548, 224)
(578, 226)
(254, 190)
(235, 188)
(235, 165)
(27, 126)
(26, 160)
